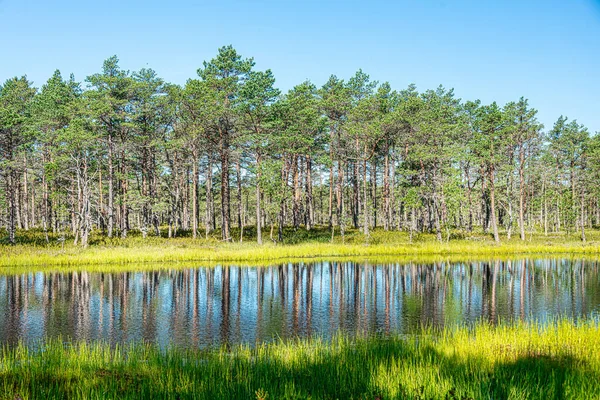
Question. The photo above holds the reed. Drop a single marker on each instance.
(509, 361)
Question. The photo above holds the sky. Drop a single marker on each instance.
(547, 51)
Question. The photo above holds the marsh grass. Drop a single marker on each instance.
(509, 361)
(32, 250)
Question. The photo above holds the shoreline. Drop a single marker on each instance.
(185, 250)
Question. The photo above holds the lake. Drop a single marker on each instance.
(208, 306)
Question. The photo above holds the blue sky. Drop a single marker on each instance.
(547, 51)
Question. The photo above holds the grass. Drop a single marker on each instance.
(509, 361)
(32, 249)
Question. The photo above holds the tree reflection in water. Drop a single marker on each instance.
(226, 305)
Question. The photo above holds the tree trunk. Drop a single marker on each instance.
(340, 199)
(521, 191)
(386, 189)
(392, 194)
(85, 217)
(111, 194)
(582, 213)
(25, 196)
(493, 204)
(310, 210)
(296, 192)
(331, 179)
(374, 191)
(258, 209)
(185, 198)
(573, 196)
(238, 176)
(545, 207)
(281, 218)
(195, 192)
(509, 196)
(355, 193)
(12, 204)
(209, 222)
(124, 207)
(485, 209)
(365, 200)
(46, 204)
(225, 197)
(470, 198)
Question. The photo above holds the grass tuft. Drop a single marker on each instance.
(519, 360)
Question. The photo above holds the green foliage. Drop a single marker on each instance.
(15, 98)
(159, 154)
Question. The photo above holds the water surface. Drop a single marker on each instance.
(226, 304)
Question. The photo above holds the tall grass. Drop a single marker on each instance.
(33, 250)
(510, 361)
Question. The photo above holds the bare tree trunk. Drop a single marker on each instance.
(284, 178)
(469, 199)
(195, 192)
(485, 209)
(101, 222)
(493, 204)
(374, 191)
(296, 194)
(111, 194)
(331, 180)
(32, 206)
(45, 205)
(582, 213)
(85, 217)
(340, 199)
(209, 222)
(509, 196)
(386, 190)
(18, 200)
(391, 194)
(225, 197)
(124, 207)
(243, 218)
(12, 204)
(365, 201)
(25, 213)
(154, 194)
(545, 206)
(238, 176)
(258, 209)
(521, 191)
(73, 219)
(321, 209)
(573, 196)
(144, 191)
(310, 209)
(355, 193)
(185, 197)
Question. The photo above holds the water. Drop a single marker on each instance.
(204, 307)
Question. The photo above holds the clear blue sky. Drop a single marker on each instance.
(547, 51)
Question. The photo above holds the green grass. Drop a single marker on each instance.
(511, 361)
(32, 249)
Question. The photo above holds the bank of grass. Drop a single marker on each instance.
(32, 249)
(517, 361)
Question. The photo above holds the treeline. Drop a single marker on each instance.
(127, 151)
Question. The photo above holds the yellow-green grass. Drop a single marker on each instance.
(510, 361)
(33, 251)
